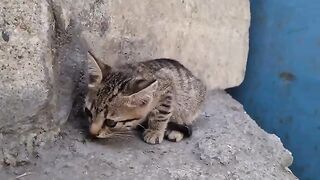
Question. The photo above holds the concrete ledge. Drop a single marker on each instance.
(226, 144)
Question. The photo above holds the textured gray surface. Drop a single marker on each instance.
(25, 54)
(24, 86)
(226, 144)
(207, 34)
(41, 67)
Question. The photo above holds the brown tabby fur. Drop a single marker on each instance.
(157, 91)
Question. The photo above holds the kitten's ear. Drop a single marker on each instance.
(97, 70)
(141, 92)
(139, 85)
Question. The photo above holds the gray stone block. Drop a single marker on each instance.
(210, 37)
(24, 55)
(42, 72)
(226, 144)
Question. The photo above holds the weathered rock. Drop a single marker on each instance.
(25, 89)
(24, 53)
(42, 60)
(69, 71)
(226, 144)
(209, 37)
(41, 67)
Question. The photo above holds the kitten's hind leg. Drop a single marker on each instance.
(176, 132)
(174, 136)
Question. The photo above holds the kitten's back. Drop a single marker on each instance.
(188, 91)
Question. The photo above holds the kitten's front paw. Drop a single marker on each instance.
(153, 136)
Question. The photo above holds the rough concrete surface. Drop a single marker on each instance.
(25, 58)
(210, 37)
(24, 45)
(42, 57)
(226, 144)
(42, 66)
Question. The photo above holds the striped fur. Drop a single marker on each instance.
(157, 91)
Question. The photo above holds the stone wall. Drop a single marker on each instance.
(210, 37)
(43, 54)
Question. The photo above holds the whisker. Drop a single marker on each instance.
(122, 132)
(141, 126)
(129, 132)
(122, 136)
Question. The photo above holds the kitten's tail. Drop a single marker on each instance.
(186, 130)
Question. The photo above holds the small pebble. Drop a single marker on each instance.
(5, 36)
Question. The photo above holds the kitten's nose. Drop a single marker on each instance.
(94, 129)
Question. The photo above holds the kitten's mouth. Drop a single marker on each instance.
(104, 133)
(103, 136)
(108, 129)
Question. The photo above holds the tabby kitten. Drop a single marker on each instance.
(159, 92)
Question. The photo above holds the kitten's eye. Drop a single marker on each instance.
(110, 123)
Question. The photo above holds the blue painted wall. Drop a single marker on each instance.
(281, 90)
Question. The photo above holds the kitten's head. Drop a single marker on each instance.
(116, 100)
